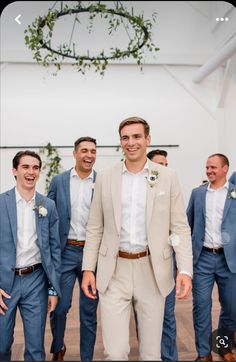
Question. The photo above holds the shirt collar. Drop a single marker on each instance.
(124, 169)
(73, 173)
(225, 186)
(19, 197)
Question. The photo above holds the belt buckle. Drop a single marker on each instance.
(21, 271)
(214, 251)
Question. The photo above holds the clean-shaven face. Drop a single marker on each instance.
(134, 142)
(85, 156)
(27, 172)
(215, 170)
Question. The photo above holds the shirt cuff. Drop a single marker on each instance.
(187, 273)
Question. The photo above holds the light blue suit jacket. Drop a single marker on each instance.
(48, 240)
(196, 213)
(232, 178)
(59, 191)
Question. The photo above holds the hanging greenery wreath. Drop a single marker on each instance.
(40, 33)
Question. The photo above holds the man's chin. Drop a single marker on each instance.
(87, 169)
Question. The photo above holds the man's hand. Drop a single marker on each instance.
(89, 284)
(3, 306)
(183, 286)
(52, 303)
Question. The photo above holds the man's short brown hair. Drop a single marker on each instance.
(134, 120)
(20, 154)
(224, 159)
(84, 139)
(156, 152)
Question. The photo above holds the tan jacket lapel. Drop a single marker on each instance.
(116, 180)
(151, 192)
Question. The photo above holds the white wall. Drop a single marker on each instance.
(61, 109)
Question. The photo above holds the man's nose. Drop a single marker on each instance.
(131, 141)
(31, 170)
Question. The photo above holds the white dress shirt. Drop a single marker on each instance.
(27, 249)
(133, 237)
(80, 198)
(215, 202)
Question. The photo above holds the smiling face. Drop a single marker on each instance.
(85, 156)
(134, 142)
(216, 171)
(27, 173)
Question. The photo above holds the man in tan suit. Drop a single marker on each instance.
(137, 204)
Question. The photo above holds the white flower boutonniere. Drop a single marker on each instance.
(232, 194)
(152, 178)
(41, 210)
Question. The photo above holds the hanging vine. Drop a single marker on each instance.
(52, 164)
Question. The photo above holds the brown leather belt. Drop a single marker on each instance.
(27, 270)
(75, 242)
(213, 250)
(124, 254)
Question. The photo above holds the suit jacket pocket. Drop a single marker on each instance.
(103, 250)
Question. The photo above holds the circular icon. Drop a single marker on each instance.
(222, 341)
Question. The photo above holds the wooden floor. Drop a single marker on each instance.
(185, 335)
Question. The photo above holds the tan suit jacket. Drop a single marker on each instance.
(165, 215)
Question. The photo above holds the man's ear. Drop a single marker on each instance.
(225, 169)
(148, 139)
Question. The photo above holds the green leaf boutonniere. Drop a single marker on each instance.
(152, 178)
(41, 210)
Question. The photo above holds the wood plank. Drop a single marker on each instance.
(185, 333)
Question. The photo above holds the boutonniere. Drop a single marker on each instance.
(41, 210)
(232, 194)
(152, 178)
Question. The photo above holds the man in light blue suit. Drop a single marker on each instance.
(211, 215)
(225, 321)
(72, 192)
(30, 259)
(169, 350)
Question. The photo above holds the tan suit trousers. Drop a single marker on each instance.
(132, 283)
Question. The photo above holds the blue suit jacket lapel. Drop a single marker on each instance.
(66, 186)
(228, 201)
(203, 200)
(94, 179)
(11, 209)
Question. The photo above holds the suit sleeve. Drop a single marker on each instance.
(190, 211)
(94, 230)
(54, 241)
(52, 190)
(179, 228)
